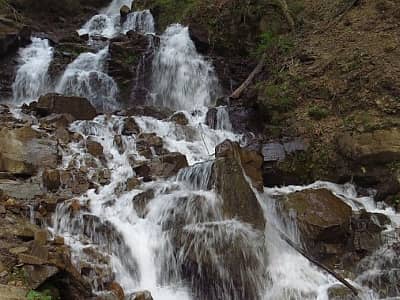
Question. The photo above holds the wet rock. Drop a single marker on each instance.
(94, 148)
(250, 160)
(168, 165)
(115, 288)
(119, 143)
(239, 200)
(123, 12)
(377, 147)
(211, 118)
(57, 120)
(140, 202)
(40, 237)
(23, 151)
(130, 127)
(159, 113)
(339, 292)
(51, 179)
(319, 215)
(130, 66)
(12, 36)
(179, 118)
(146, 143)
(143, 295)
(132, 183)
(78, 107)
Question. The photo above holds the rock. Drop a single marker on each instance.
(319, 214)
(211, 118)
(30, 259)
(140, 202)
(41, 237)
(143, 170)
(94, 148)
(130, 127)
(377, 147)
(37, 275)
(51, 179)
(159, 113)
(18, 250)
(8, 292)
(12, 36)
(250, 160)
(143, 295)
(132, 183)
(59, 240)
(62, 135)
(21, 189)
(179, 118)
(130, 65)
(117, 290)
(167, 165)
(119, 143)
(124, 11)
(23, 151)
(200, 38)
(340, 292)
(146, 143)
(239, 200)
(78, 107)
(57, 120)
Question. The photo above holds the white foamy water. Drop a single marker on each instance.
(32, 79)
(182, 78)
(85, 77)
(139, 21)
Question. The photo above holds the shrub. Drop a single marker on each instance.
(318, 112)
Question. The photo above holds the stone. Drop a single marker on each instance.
(124, 11)
(167, 165)
(140, 202)
(57, 120)
(62, 135)
(58, 240)
(319, 214)
(94, 148)
(78, 107)
(250, 160)
(23, 151)
(376, 147)
(25, 190)
(41, 237)
(117, 290)
(18, 250)
(179, 118)
(119, 143)
(211, 118)
(159, 113)
(130, 127)
(37, 275)
(30, 259)
(51, 179)
(132, 183)
(238, 199)
(146, 143)
(142, 295)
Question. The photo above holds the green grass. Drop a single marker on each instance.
(318, 112)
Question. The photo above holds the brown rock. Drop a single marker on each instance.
(167, 165)
(132, 183)
(142, 295)
(77, 107)
(140, 202)
(119, 143)
(117, 290)
(24, 150)
(51, 179)
(37, 275)
(130, 127)
(239, 200)
(30, 259)
(179, 118)
(251, 160)
(41, 237)
(94, 148)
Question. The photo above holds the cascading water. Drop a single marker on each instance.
(32, 79)
(148, 234)
(85, 77)
(182, 79)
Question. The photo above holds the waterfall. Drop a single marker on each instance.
(139, 21)
(32, 78)
(182, 78)
(223, 120)
(85, 77)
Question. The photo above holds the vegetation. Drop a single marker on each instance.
(318, 112)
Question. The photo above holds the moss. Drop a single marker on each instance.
(318, 112)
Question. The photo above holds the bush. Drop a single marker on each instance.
(269, 41)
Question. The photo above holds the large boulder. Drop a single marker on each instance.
(320, 216)
(130, 66)
(80, 108)
(250, 160)
(23, 151)
(238, 199)
(376, 147)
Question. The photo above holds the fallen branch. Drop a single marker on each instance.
(303, 253)
(237, 93)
